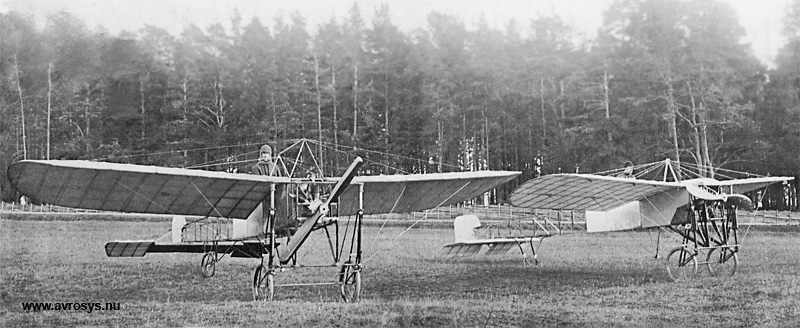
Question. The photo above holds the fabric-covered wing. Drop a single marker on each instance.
(584, 192)
(741, 186)
(417, 192)
(140, 189)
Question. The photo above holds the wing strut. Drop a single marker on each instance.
(286, 251)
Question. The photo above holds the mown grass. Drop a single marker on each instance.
(608, 279)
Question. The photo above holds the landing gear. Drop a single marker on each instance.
(710, 232)
(681, 264)
(722, 262)
(350, 281)
(284, 257)
(263, 284)
(208, 265)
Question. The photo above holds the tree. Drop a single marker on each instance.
(779, 109)
(20, 47)
(20, 59)
(388, 60)
(683, 61)
(548, 53)
(448, 62)
(331, 63)
(664, 78)
(72, 61)
(257, 67)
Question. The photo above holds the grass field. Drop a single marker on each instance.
(608, 279)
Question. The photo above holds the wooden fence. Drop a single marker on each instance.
(563, 220)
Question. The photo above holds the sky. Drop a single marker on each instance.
(761, 18)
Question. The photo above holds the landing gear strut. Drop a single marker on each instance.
(711, 232)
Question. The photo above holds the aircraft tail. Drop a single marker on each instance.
(464, 227)
(178, 222)
(251, 227)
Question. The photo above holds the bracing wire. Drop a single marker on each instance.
(417, 221)
(753, 216)
(332, 147)
(166, 210)
(165, 152)
(375, 240)
(226, 160)
(366, 160)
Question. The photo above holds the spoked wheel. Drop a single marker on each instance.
(350, 281)
(263, 284)
(681, 264)
(208, 266)
(722, 262)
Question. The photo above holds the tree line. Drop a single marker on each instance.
(662, 79)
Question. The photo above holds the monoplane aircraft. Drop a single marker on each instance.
(295, 206)
(701, 210)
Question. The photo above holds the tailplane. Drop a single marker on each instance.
(464, 227)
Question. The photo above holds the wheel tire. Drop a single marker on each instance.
(350, 282)
(263, 284)
(208, 265)
(723, 263)
(679, 267)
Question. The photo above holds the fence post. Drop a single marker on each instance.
(572, 220)
(559, 219)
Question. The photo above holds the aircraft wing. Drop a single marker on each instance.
(140, 189)
(417, 192)
(585, 192)
(613, 203)
(160, 190)
(741, 186)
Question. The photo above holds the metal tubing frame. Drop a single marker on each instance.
(355, 241)
(359, 219)
(271, 229)
(698, 235)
